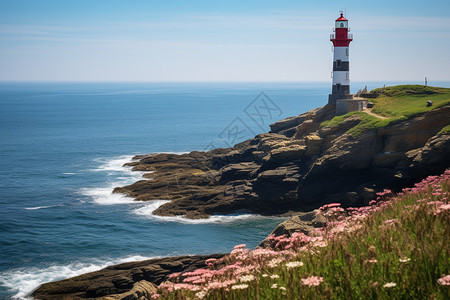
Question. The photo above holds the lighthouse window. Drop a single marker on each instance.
(342, 25)
(346, 51)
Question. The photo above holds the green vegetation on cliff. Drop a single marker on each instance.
(393, 104)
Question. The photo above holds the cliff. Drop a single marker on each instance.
(303, 162)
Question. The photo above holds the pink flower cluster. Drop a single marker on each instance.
(312, 281)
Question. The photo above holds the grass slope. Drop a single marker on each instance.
(395, 103)
(396, 248)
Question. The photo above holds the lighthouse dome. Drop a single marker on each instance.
(341, 18)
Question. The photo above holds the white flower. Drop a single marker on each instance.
(274, 262)
(274, 276)
(247, 278)
(282, 288)
(405, 259)
(274, 286)
(389, 285)
(265, 275)
(294, 264)
(239, 287)
(200, 295)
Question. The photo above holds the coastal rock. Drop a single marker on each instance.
(132, 280)
(301, 222)
(275, 174)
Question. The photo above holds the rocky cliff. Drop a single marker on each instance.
(298, 166)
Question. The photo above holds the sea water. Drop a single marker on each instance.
(62, 151)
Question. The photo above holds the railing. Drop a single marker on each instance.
(349, 36)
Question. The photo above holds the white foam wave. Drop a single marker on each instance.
(69, 173)
(22, 282)
(39, 207)
(118, 175)
(105, 196)
(148, 209)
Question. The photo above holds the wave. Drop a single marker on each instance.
(148, 209)
(105, 196)
(117, 175)
(22, 282)
(39, 207)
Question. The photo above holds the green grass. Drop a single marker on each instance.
(409, 100)
(445, 130)
(396, 249)
(395, 103)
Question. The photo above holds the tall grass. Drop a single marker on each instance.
(396, 248)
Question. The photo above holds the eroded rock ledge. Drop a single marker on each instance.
(298, 166)
(133, 280)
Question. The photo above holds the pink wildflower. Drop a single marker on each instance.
(444, 280)
(241, 246)
(173, 275)
(312, 281)
(156, 296)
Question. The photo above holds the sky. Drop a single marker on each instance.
(153, 40)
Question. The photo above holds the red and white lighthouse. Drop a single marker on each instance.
(341, 78)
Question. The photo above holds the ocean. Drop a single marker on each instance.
(62, 150)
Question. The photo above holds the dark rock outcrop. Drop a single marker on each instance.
(298, 166)
(132, 280)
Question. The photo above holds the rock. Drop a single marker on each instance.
(237, 171)
(313, 143)
(132, 280)
(273, 173)
(287, 124)
(301, 222)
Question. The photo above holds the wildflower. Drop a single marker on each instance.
(312, 281)
(247, 278)
(156, 296)
(389, 285)
(294, 264)
(371, 261)
(444, 280)
(211, 261)
(174, 275)
(274, 286)
(274, 262)
(265, 275)
(274, 276)
(282, 288)
(201, 294)
(239, 286)
(391, 221)
(241, 246)
(403, 260)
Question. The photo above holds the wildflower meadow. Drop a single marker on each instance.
(395, 248)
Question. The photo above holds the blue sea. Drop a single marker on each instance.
(62, 150)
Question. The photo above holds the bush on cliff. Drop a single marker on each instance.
(397, 248)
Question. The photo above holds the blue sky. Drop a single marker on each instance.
(220, 40)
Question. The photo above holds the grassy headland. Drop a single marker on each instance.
(396, 248)
(393, 104)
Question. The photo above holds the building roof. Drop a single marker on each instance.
(341, 18)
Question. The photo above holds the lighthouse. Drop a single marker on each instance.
(340, 93)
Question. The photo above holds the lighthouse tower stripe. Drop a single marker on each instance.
(341, 77)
